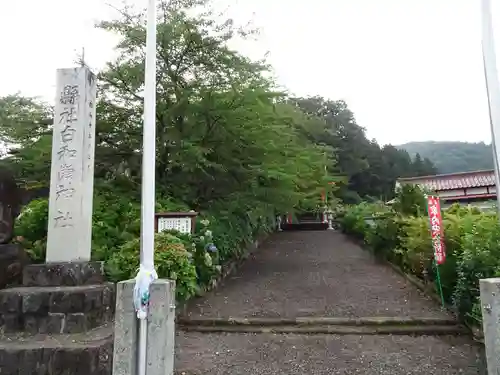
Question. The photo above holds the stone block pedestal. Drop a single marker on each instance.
(59, 318)
(13, 259)
(64, 274)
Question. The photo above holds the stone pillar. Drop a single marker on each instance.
(490, 305)
(66, 298)
(72, 168)
(161, 329)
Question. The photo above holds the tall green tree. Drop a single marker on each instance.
(370, 170)
(223, 131)
(25, 132)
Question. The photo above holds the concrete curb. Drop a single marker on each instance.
(315, 321)
(422, 330)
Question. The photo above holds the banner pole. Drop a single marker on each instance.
(438, 277)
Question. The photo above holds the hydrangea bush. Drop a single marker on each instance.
(193, 260)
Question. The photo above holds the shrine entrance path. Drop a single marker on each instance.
(314, 273)
(318, 274)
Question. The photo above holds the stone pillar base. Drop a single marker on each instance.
(64, 274)
(63, 311)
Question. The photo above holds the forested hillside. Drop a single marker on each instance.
(451, 157)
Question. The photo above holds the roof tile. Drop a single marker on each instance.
(454, 181)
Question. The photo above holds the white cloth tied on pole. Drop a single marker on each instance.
(143, 280)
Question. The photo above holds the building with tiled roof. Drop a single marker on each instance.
(465, 187)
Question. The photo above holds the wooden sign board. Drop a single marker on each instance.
(183, 222)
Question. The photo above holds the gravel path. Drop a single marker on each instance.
(316, 273)
(256, 354)
(319, 274)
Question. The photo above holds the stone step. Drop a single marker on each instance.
(398, 329)
(305, 226)
(56, 309)
(87, 353)
(67, 274)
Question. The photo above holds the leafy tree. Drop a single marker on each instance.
(418, 163)
(223, 132)
(410, 200)
(26, 135)
(370, 170)
(428, 168)
(422, 167)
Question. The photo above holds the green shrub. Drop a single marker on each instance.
(115, 221)
(31, 229)
(204, 251)
(172, 261)
(416, 242)
(354, 218)
(458, 210)
(384, 237)
(479, 258)
(453, 229)
(234, 227)
(206, 254)
(410, 201)
(220, 235)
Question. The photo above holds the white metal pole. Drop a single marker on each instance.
(492, 86)
(149, 144)
(147, 273)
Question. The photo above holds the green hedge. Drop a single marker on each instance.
(472, 240)
(221, 234)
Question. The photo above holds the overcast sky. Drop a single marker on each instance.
(410, 70)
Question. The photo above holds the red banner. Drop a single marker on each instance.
(434, 209)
